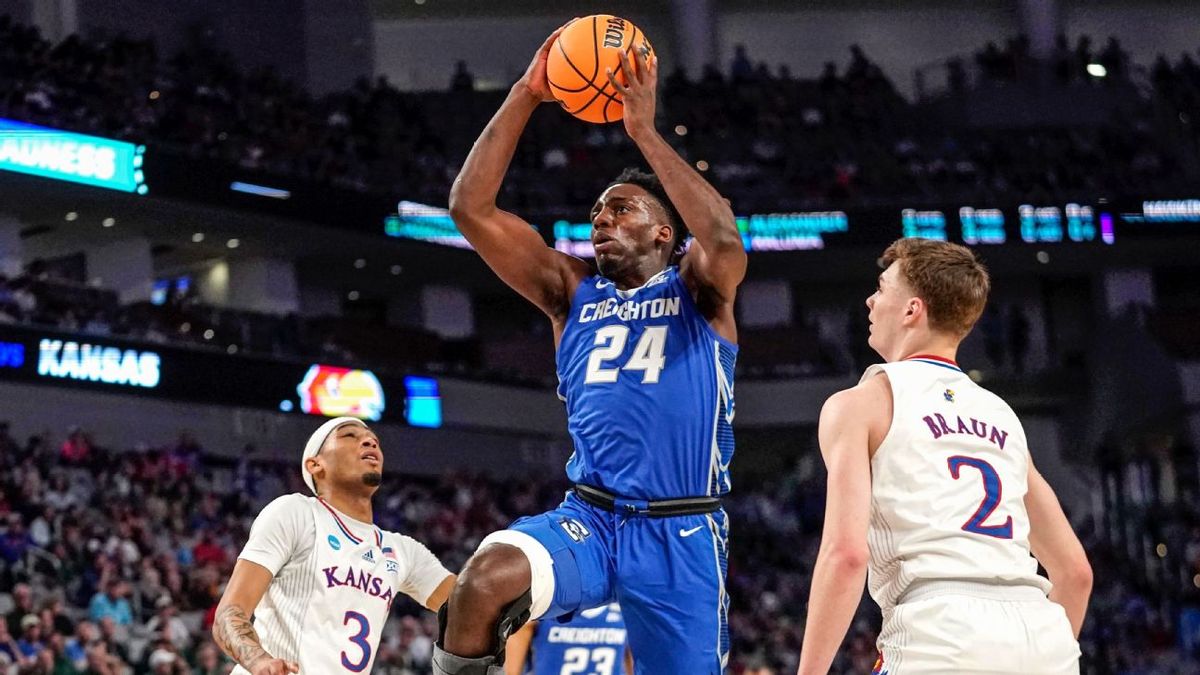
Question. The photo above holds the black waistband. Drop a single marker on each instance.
(659, 508)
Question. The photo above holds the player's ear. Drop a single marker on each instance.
(315, 466)
(914, 308)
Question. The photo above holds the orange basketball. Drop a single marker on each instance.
(576, 68)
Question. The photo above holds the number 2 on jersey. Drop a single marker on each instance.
(577, 659)
(647, 355)
(360, 639)
(992, 491)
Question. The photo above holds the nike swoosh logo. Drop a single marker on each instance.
(688, 533)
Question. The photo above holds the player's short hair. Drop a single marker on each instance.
(650, 183)
(953, 282)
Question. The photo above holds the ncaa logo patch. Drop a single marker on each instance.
(574, 529)
(334, 543)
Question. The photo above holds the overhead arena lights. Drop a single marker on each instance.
(259, 190)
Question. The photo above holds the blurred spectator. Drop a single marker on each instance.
(167, 625)
(8, 444)
(208, 660)
(114, 640)
(77, 447)
(10, 653)
(1083, 55)
(1114, 59)
(16, 540)
(1018, 337)
(166, 662)
(112, 604)
(30, 642)
(740, 68)
(55, 618)
(992, 328)
(22, 596)
(463, 80)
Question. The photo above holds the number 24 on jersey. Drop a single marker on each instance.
(648, 356)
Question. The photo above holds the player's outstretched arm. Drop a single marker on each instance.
(717, 259)
(1057, 548)
(507, 243)
(841, 568)
(232, 629)
(441, 594)
(516, 650)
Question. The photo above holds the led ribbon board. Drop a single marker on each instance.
(801, 231)
(77, 158)
(424, 223)
(790, 231)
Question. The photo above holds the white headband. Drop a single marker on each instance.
(317, 441)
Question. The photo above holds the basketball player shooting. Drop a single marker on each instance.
(934, 498)
(316, 574)
(646, 350)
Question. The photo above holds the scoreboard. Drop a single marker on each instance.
(1099, 223)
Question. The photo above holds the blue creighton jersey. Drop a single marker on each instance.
(592, 642)
(649, 391)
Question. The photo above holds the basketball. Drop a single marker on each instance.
(577, 66)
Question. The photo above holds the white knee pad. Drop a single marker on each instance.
(541, 566)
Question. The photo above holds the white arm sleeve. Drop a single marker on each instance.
(423, 571)
(277, 532)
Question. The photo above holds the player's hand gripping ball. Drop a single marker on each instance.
(579, 60)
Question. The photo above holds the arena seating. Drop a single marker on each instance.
(771, 140)
(160, 525)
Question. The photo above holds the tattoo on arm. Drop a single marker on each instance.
(236, 636)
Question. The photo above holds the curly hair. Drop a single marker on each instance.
(650, 183)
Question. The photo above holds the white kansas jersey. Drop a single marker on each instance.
(948, 484)
(334, 582)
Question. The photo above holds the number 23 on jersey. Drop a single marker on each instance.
(584, 661)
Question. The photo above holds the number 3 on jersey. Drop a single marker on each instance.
(360, 639)
(992, 491)
(647, 355)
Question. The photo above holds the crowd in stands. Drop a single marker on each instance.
(1015, 62)
(113, 561)
(772, 140)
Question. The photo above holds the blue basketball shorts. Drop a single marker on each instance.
(668, 574)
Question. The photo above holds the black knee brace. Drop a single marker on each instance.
(512, 616)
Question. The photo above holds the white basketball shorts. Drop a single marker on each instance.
(966, 627)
